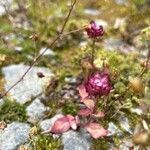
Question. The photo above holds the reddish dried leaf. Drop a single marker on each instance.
(72, 122)
(77, 120)
(82, 92)
(89, 103)
(61, 125)
(84, 112)
(99, 114)
(96, 130)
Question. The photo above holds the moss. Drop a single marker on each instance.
(70, 108)
(44, 142)
(100, 144)
(12, 111)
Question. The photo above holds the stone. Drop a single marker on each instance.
(102, 23)
(113, 129)
(1, 101)
(91, 12)
(3, 4)
(29, 87)
(14, 135)
(48, 123)
(36, 111)
(49, 52)
(112, 44)
(71, 80)
(124, 123)
(76, 140)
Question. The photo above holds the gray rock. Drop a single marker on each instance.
(70, 80)
(1, 102)
(14, 135)
(124, 123)
(91, 12)
(113, 129)
(121, 2)
(48, 123)
(48, 52)
(117, 44)
(36, 111)
(76, 140)
(5, 4)
(29, 87)
(102, 23)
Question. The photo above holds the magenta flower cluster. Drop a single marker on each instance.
(98, 84)
(94, 30)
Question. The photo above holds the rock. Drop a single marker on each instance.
(70, 80)
(91, 12)
(1, 102)
(120, 23)
(124, 123)
(36, 111)
(121, 2)
(49, 52)
(18, 48)
(76, 140)
(102, 23)
(48, 123)
(138, 111)
(113, 129)
(7, 4)
(14, 135)
(117, 44)
(31, 85)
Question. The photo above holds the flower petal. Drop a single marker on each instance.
(96, 130)
(61, 125)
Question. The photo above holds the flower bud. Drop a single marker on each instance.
(136, 85)
(141, 138)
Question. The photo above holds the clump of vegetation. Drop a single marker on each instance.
(12, 111)
(44, 142)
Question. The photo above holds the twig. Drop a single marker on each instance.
(40, 55)
(147, 61)
(93, 51)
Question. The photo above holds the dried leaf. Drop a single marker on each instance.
(84, 112)
(89, 103)
(96, 130)
(99, 114)
(82, 92)
(72, 122)
(61, 125)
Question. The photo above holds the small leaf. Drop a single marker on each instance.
(96, 130)
(84, 112)
(99, 114)
(72, 122)
(77, 120)
(89, 103)
(61, 125)
(82, 92)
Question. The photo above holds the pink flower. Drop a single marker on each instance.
(94, 30)
(98, 84)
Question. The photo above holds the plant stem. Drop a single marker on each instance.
(93, 51)
(147, 61)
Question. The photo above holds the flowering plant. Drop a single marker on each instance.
(96, 84)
